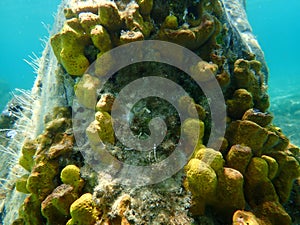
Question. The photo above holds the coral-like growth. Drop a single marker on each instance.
(193, 37)
(105, 102)
(28, 151)
(212, 184)
(40, 181)
(239, 157)
(171, 22)
(101, 129)
(71, 175)
(241, 101)
(145, 6)
(83, 211)
(101, 38)
(134, 21)
(88, 21)
(131, 36)
(241, 217)
(68, 47)
(288, 170)
(85, 91)
(43, 158)
(202, 182)
(21, 184)
(247, 76)
(194, 131)
(109, 15)
(30, 211)
(230, 191)
(254, 169)
(211, 157)
(56, 207)
(262, 119)
(258, 187)
(247, 133)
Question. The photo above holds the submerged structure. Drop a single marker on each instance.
(74, 161)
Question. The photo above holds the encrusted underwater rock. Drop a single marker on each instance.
(253, 170)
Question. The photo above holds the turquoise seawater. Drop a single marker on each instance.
(274, 23)
(21, 32)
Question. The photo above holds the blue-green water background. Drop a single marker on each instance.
(274, 23)
(21, 30)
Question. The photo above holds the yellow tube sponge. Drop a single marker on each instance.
(101, 38)
(83, 211)
(40, 181)
(71, 175)
(190, 127)
(21, 184)
(85, 91)
(30, 211)
(145, 6)
(131, 36)
(230, 192)
(109, 15)
(191, 38)
(56, 207)
(106, 131)
(201, 179)
(134, 20)
(248, 133)
(28, 152)
(68, 46)
(171, 22)
(211, 157)
(241, 101)
(101, 129)
(241, 217)
(258, 187)
(88, 21)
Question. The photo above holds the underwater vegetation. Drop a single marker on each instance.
(250, 179)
